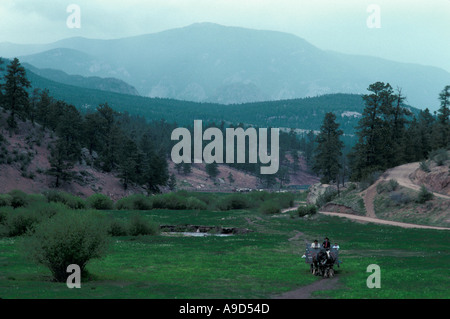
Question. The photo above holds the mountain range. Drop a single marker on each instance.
(212, 63)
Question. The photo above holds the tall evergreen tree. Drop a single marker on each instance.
(329, 150)
(110, 137)
(1, 85)
(443, 120)
(212, 170)
(375, 143)
(425, 128)
(42, 108)
(61, 162)
(16, 95)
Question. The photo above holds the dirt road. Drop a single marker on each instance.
(402, 175)
(382, 221)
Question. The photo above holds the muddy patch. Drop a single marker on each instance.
(202, 230)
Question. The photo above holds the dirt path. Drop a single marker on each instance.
(402, 175)
(306, 291)
(369, 197)
(382, 221)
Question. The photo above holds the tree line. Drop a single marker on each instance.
(126, 144)
(388, 134)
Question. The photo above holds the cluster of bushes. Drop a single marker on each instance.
(424, 195)
(424, 167)
(307, 210)
(58, 231)
(399, 198)
(134, 226)
(95, 201)
(387, 187)
(266, 202)
(326, 197)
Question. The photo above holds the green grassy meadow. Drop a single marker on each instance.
(261, 264)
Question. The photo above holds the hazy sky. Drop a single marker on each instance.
(416, 31)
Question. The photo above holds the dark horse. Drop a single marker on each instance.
(323, 264)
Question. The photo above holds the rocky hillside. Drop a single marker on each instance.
(24, 164)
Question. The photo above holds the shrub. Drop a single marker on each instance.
(67, 199)
(387, 187)
(100, 202)
(117, 227)
(20, 221)
(195, 203)
(439, 156)
(48, 209)
(285, 199)
(234, 201)
(169, 201)
(307, 210)
(424, 167)
(424, 195)
(140, 226)
(178, 201)
(326, 197)
(270, 207)
(134, 202)
(5, 200)
(68, 238)
(18, 198)
(400, 198)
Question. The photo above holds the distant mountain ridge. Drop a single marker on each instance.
(301, 114)
(212, 63)
(91, 82)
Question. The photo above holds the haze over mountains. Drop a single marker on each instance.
(213, 63)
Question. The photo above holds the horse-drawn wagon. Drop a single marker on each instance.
(322, 261)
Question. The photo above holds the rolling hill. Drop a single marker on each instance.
(301, 114)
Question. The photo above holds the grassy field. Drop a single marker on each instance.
(260, 264)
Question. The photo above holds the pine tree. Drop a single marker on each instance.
(375, 146)
(61, 163)
(212, 170)
(395, 114)
(16, 95)
(425, 127)
(309, 148)
(128, 163)
(155, 172)
(109, 137)
(443, 120)
(230, 178)
(1, 85)
(187, 168)
(42, 108)
(172, 182)
(329, 150)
